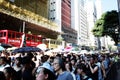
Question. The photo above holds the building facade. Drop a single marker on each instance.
(70, 34)
(91, 18)
(79, 21)
(34, 14)
(60, 13)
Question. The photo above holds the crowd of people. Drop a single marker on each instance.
(37, 66)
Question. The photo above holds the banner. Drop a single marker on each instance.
(23, 42)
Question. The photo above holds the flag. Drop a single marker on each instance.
(23, 42)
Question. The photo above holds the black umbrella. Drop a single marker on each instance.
(26, 49)
(5, 45)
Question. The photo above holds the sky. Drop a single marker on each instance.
(108, 5)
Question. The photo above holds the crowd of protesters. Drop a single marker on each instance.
(37, 66)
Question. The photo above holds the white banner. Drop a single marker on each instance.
(22, 42)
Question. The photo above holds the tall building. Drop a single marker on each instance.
(70, 34)
(79, 21)
(118, 1)
(60, 13)
(55, 12)
(98, 5)
(100, 41)
(91, 18)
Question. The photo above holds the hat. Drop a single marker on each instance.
(47, 66)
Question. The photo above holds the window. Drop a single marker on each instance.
(4, 34)
(1, 34)
(9, 35)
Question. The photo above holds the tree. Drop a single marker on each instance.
(107, 25)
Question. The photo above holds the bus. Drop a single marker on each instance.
(14, 38)
(53, 43)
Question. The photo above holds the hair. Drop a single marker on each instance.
(51, 75)
(2, 76)
(70, 66)
(26, 60)
(61, 63)
(81, 66)
(44, 58)
(11, 72)
(4, 59)
(19, 59)
(94, 57)
(30, 55)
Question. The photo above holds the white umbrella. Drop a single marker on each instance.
(42, 46)
(84, 52)
(12, 48)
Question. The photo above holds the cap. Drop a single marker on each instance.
(47, 66)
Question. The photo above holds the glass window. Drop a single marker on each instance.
(4, 34)
(1, 34)
(12, 35)
(9, 35)
(28, 37)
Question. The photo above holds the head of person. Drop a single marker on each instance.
(73, 61)
(68, 66)
(18, 61)
(81, 68)
(2, 76)
(3, 60)
(58, 64)
(45, 72)
(9, 73)
(93, 59)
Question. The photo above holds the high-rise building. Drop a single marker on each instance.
(60, 12)
(70, 35)
(55, 12)
(91, 18)
(79, 21)
(118, 1)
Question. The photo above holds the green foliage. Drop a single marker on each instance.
(107, 25)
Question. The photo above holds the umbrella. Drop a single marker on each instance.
(83, 52)
(5, 45)
(12, 48)
(1, 48)
(26, 49)
(42, 46)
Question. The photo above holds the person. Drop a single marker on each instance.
(68, 67)
(45, 72)
(81, 70)
(59, 68)
(27, 69)
(10, 73)
(2, 76)
(93, 68)
(18, 67)
(3, 63)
